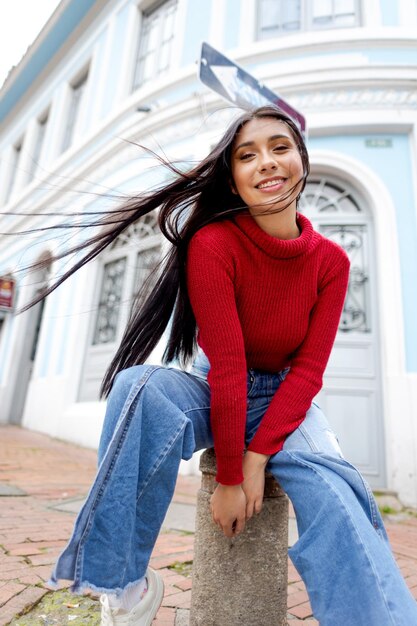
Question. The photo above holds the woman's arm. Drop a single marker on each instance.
(210, 282)
(305, 378)
(212, 296)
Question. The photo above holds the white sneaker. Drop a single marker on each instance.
(143, 613)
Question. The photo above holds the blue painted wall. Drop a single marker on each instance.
(393, 166)
(389, 12)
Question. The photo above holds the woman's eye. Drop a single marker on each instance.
(280, 148)
(246, 155)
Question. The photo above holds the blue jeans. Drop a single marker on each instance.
(157, 416)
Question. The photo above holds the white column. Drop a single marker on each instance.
(370, 13)
(217, 23)
(248, 20)
(127, 62)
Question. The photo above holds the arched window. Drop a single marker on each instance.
(125, 268)
(285, 17)
(336, 212)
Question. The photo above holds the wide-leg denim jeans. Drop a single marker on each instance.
(157, 416)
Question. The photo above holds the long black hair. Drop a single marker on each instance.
(192, 200)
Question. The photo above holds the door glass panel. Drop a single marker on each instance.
(353, 239)
(277, 16)
(146, 261)
(335, 210)
(109, 304)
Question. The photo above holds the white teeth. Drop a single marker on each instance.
(271, 183)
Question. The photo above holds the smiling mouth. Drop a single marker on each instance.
(271, 183)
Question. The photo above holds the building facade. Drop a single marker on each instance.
(106, 77)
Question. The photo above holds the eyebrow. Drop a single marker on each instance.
(251, 143)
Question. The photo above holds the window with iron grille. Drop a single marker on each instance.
(127, 276)
(339, 216)
(134, 255)
(283, 17)
(155, 42)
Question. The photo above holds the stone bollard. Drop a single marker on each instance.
(240, 581)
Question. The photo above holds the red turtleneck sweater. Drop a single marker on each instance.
(265, 303)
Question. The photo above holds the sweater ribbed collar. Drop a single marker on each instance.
(274, 247)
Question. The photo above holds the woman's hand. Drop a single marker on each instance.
(228, 509)
(254, 481)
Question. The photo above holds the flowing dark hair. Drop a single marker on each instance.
(192, 200)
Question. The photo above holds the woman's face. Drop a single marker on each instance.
(266, 166)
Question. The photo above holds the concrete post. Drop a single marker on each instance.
(240, 581)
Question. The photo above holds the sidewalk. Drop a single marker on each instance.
(43, 482)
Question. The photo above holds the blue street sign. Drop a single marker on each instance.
(238, 86)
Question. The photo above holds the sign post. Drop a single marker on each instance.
(238, 86)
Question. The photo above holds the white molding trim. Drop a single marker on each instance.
(326, 41)
(382, 98)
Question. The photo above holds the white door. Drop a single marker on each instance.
(351, 395)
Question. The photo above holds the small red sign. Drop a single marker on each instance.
(7, 293)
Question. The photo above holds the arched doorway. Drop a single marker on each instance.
(32, 326)
(351, 396)
(125, 267)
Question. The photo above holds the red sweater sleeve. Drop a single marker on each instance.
(210, 283)
(305, 378)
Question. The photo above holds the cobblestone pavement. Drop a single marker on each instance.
(39, 474)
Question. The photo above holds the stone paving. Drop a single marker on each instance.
(40, 476)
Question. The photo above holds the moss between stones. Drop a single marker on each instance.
(61, 608)
(182, 567)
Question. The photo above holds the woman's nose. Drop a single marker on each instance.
(267, 164)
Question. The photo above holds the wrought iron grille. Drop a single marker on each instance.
(147, 226)
(109, 304)
(352, 239)
(322, 197)
(146, 263)
(113, 288)
(321, 200)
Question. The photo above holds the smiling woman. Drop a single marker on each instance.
(268, 174)
(252, 291)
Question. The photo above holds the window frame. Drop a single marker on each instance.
(128, 290)
(149, 12)
(77, 89)
(306, 21)
(17, 149)
(41, 129)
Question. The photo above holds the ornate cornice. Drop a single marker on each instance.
(354, 98)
